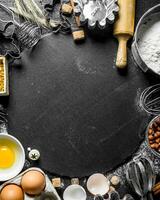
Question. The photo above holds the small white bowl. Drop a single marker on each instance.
(98, 184)
(74, 192)
(15, 169)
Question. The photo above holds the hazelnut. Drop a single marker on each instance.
(158, 140)
(151, 137)
(150, 131)
(115, 180)
(154, 146)
(158, 133)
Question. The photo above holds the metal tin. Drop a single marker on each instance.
(4, 79)
(135, 48)
(49, 189)
(96, 12)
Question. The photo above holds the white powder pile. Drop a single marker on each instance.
(149, 43)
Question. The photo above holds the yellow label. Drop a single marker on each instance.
(7, 154)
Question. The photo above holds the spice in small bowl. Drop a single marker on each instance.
(153, 135)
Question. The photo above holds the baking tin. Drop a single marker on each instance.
(49, 189)
(6, 79)
(96, 12)
(135, 48)
(147, 140)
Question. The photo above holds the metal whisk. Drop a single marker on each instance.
(140, 176)
(27, 33)
(150, 100)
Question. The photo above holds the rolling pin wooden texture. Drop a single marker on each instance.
(124, 29)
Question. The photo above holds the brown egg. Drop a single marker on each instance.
(12, 192)
(33, 182)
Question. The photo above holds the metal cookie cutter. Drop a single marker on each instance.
(27, 33)
(98, 12)
(8, 48)
(63, 25)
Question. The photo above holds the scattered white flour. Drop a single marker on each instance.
(149, 42)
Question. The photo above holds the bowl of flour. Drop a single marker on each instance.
(146, 45)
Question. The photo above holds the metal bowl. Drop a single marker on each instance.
(135, 46)
(146, 137)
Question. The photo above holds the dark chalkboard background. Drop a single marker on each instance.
(71, 103)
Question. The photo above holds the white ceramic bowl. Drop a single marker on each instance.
(98, 184)
(15, 169)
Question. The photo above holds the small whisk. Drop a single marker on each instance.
(27, 33)
(140, 176)
(150, 100)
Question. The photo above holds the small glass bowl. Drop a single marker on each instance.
(147, 139)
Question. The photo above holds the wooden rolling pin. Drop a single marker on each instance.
(124, 29)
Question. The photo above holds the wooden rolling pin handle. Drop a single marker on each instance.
(121, 61)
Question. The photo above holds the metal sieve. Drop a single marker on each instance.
(135, 47)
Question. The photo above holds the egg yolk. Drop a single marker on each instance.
(7, 155)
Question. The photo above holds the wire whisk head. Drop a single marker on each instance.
(28, 34)
(150, 100)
